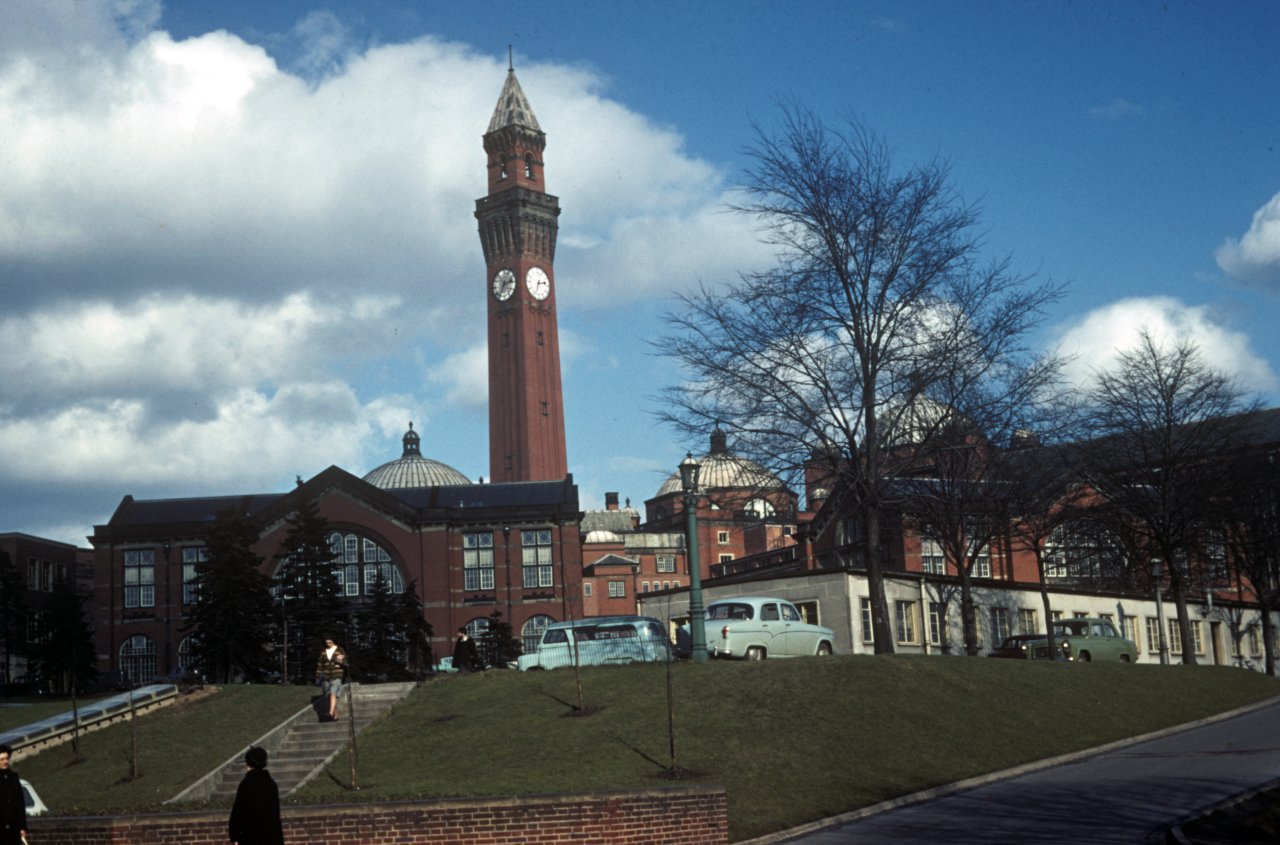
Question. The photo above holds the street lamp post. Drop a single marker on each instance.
(1157, 571)
(689, 469)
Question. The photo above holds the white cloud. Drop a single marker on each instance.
(1097, 339)
(1255, 257)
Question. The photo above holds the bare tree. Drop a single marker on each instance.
(962, 489)
(878, 284)
(1250, 530)
(1167, 428)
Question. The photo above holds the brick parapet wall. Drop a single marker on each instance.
(676, 815)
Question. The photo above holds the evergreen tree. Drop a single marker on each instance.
(233, 616)
(415, 632)
(497, 647)
(390, 639)
(66, 656)
(13, 611)
(308, 587)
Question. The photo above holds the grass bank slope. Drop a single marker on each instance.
(791, 741)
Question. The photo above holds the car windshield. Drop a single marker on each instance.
(730, 610)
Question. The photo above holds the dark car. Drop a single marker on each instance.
(27, 685)
(1025, 647)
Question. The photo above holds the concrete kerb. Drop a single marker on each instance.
(271, 741)
(993, 777)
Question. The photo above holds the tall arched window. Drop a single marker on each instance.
(531, 632)
(358, 561)
(138, 659)
(184, 652)
(528, 165)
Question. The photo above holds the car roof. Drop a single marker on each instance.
(601, 620)
(750, 599)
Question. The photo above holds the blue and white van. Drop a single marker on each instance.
(599, 641)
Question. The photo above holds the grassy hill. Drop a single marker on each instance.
(791, 741)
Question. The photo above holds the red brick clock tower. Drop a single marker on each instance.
(518, 234)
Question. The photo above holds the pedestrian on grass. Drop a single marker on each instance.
(13, 803)
(330, 669)
(255, 815)
(465, 658)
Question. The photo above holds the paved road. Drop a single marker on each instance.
(1122, 795)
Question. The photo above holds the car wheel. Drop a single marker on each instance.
(1124, 658)
(1083, 657)
(824, 649)
(755, 653)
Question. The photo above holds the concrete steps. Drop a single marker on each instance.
(300, 747)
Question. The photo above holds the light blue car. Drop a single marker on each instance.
(599, 641)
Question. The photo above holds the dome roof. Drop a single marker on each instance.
(413, 470)
(601, 535)
(721, 469)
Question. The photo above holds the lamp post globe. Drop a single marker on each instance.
(689, 469)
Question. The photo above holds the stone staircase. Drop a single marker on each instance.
(301, 746)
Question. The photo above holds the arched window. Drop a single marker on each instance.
(359, 561)
(478, 627)
(502, 169)
(184, 652)
(138, 659)
(531, 632)
(528, 165)
(760, 508)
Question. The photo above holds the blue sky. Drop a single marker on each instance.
(237, 243)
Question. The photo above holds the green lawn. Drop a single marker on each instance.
(791, 741)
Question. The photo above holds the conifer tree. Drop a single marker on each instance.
(66, 656)
(307, 585)
(233, 615)
(13, 611)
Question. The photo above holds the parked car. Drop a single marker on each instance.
(599, 640)
(27, 685)
(1026, 647)
(755, 627)
(1091, 638)
(35, 807)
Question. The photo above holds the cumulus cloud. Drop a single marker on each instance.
(225, 270)
(1255, 257)
(1096, 340)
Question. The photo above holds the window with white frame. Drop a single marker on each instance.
(905, 618)
(868, 630)
(535, 550)
(999, 624)
(1129, 627)
(937, 622)
(1215, 555)
(932, 559)
(192, 556)
(1197, 635)
(666, 563)
(1153, 634)
(358, 562)
(1082, 550)
(617, 589)
(1028, 620)
(531, 632)
(140, 578)
(722, 537)
(1175, 637)
(477, 560)
(586, 588)
(138, 659)
(982, 564)
(725, 558)
(1255, 640)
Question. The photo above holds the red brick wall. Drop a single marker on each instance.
(677, 815)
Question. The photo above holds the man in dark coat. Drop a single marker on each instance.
(465, 658)
(13, 803)
(255, 815)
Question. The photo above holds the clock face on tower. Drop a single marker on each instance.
(504, 284)
(537, 282)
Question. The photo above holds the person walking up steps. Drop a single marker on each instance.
(329, 671)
